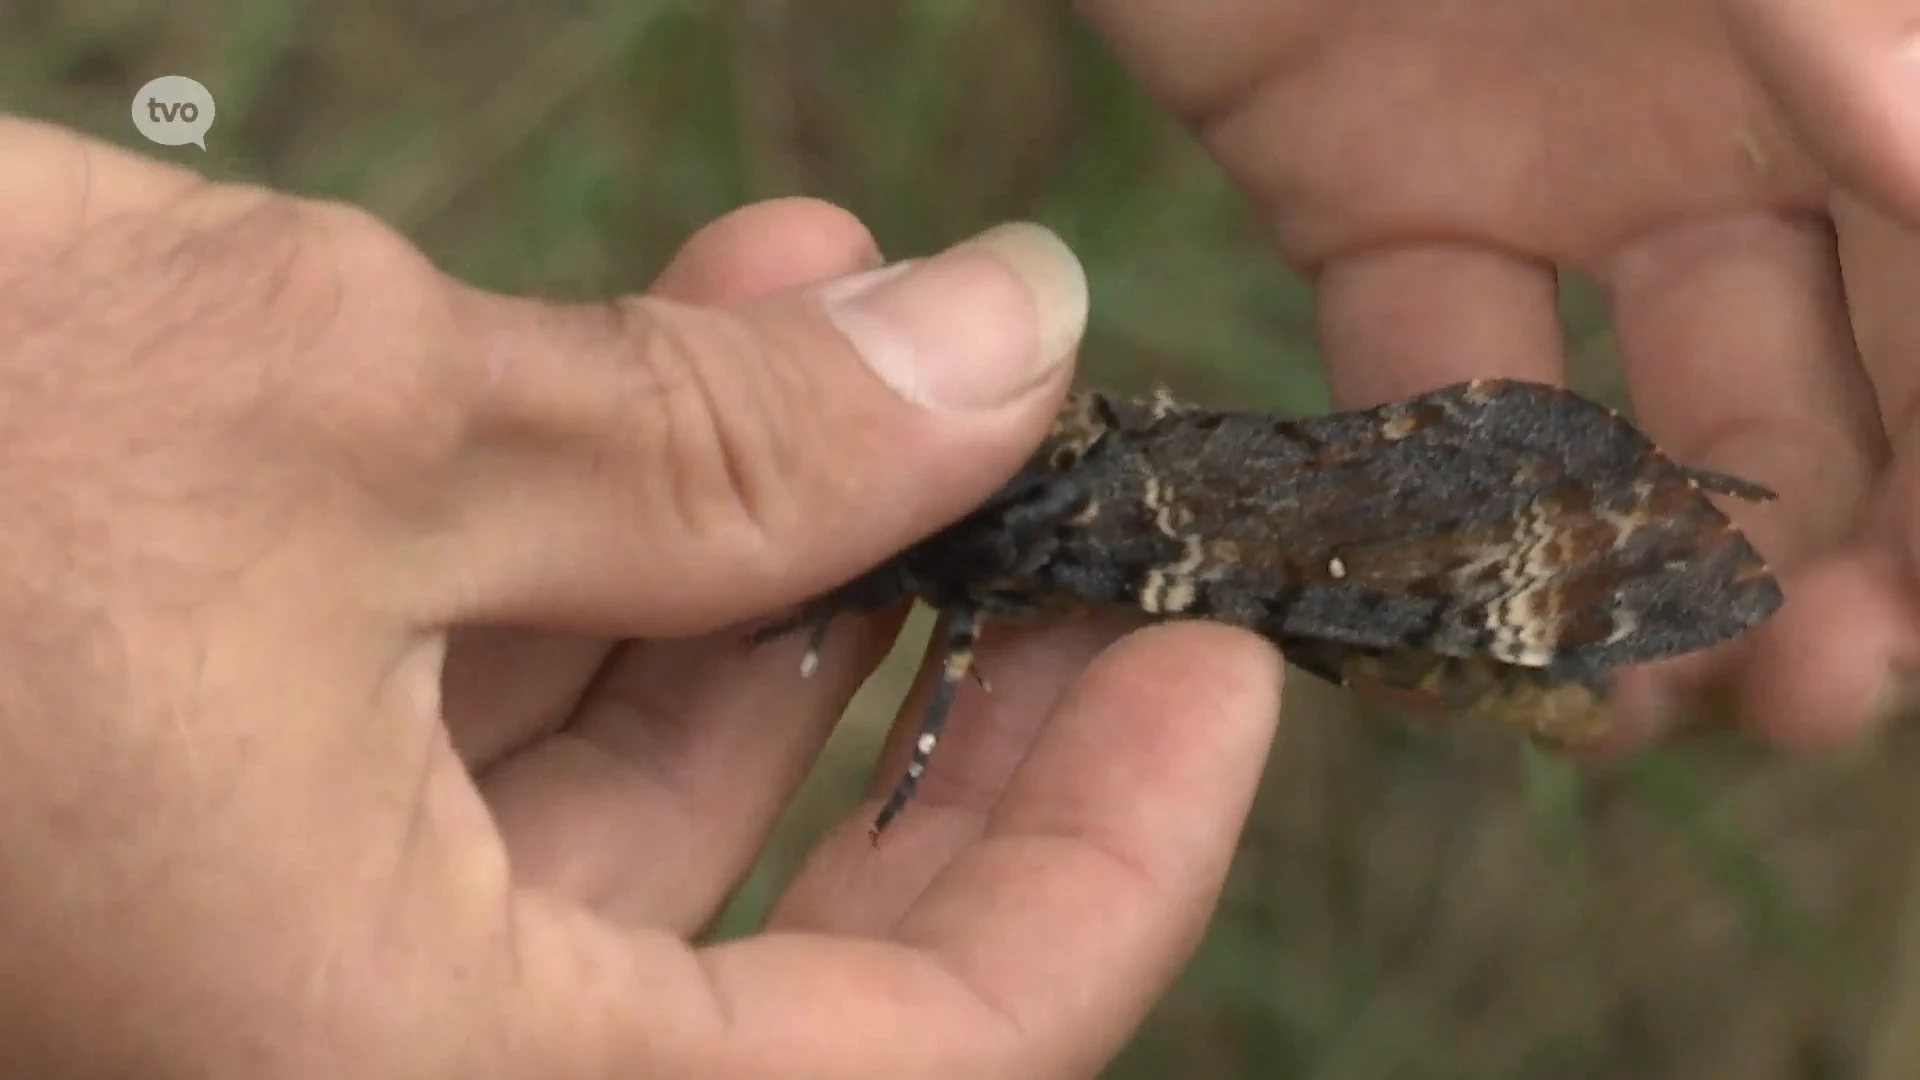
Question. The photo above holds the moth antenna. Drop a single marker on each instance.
(956, 662)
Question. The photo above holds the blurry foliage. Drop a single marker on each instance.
(1410, 901)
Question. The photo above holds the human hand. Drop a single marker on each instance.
(260, 456)
(1431, 166)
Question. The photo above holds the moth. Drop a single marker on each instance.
(1499, 545)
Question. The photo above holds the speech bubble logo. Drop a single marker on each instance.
(174, 110)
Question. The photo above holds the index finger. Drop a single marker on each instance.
(1040, 947)
(1099, 871)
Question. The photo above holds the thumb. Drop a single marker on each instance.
(1847, 74)
(676, 468)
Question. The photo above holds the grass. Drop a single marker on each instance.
(1409, 902)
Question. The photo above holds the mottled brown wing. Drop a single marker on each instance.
(1498, 520)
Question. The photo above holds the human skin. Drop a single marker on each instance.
(1732, 172)
(259, 458)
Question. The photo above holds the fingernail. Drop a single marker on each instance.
(973, 327)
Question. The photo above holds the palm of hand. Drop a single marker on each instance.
(1433, 166)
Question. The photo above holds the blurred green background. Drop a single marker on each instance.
(1409, 901)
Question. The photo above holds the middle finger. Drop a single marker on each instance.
(656, 798)
(1400, 321)
(1738, 355)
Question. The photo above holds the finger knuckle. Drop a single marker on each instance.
(382, 378)
(725, 418)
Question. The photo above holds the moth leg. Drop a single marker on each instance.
(815, 620)
(963, 630)
(1722, 484)
(877, 590)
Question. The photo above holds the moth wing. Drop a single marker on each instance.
(1511, 522)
